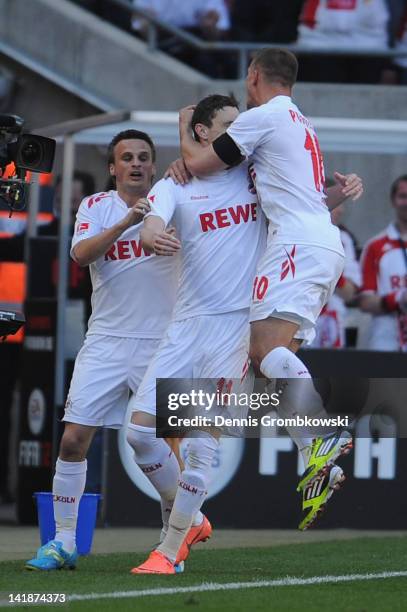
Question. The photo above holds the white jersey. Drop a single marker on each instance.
(288, 172)
(133, 293)
(355, 24)
(222, 232)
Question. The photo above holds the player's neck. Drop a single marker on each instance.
(402, 228)
(131, 197)
(268, 92)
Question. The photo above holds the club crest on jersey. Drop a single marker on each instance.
(151, 198)
(288, 264)
(82, 228)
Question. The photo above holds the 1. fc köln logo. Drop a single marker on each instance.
(288, 264)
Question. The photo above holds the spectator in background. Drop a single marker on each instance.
(384, 278)
(330, 329)
(354, 24)
(265, 20)
(207, 19)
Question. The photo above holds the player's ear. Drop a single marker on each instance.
(111, 169)
(202, 131)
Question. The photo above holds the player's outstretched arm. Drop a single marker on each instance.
(155, 239)
(347, 186)
(90, 249)
(199, 160)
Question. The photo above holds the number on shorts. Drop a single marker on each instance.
(260, 287)
(312, 145)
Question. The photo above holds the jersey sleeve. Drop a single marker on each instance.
(87, 223)
(249, 130)
(162, 198)
(369, 269)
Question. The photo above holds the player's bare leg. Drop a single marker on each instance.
(68, 487)
(273, 348)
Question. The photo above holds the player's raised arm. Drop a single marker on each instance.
(90, 249)
(222, 153)
(347, 186)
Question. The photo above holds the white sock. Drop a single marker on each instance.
(157, 461)
(298, 398)
(68, 487)
(191, 493)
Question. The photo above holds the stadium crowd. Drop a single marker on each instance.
(332, 25)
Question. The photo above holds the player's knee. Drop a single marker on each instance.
(143, 442)
(201, 452)
(74, 445)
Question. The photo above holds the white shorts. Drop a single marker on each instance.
(293, 283)
(211, 346)
(106, 368)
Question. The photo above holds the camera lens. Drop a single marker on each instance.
(31, 153)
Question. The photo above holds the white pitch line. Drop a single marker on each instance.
(227, 586)
(232, 586)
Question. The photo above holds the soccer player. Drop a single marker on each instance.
(221, 234)
(304, 257)
(384, 269)
(132, 300)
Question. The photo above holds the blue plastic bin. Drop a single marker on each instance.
(88, 507)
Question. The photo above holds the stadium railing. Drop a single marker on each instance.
(242, 49)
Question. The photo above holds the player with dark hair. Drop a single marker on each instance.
(221, 234)
(304, 257)
(132, 300)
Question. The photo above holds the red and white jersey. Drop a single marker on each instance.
(330, 328)
(344, 23)
(401, 44)
(222, 233)
(384, 271)
(133, 293)
(288, 173)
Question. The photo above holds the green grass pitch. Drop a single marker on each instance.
(110, 573)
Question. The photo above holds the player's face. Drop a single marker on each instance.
(220, 122)
(251, 87)
(133, 166)
(400, 201)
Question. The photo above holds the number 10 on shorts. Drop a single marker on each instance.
(260, 287)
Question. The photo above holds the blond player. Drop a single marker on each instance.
(304, 257)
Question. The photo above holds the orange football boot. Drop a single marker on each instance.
(197, 533)
(157, 563)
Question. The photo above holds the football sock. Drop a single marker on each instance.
(298, 397)
(191, 493)
(157, 461)
(67, 489)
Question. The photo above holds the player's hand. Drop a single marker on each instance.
(178, 171)
(137, 212)
(165, 243)
(185, 116)
(352, 185)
